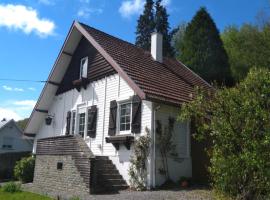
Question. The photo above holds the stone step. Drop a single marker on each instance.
(102, 158)
(111, 176)
(104, 162)
(108, 171)
(111, 181)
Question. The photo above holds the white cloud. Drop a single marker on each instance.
(131, 7)
(166, 2)
(18, 89)
(9, 114)
(28, 103)
(32, 88)
(16, 109)
(86, 12)
(20, 17)
(46, 2)
(8, 88)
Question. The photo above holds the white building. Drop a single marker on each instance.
(108, 91)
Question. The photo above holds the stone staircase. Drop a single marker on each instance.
(83, 159)
(98, 173)
(108, 177)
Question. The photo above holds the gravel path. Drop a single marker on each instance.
(170, 194)
(191, 194)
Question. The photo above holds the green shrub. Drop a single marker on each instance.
(12, 187)
(237, 121)
(24, 169)
(75, 198)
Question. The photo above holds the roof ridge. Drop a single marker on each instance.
(121, 40)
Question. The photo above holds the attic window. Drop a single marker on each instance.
(83, 67)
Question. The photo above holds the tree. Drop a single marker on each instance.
(163, 27)
(247, 46)
(237, 121)
(22, 123)
(202, 49)
(177, 36)
(145, 26)
(149, 22)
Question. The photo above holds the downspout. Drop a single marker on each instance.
(154, 149)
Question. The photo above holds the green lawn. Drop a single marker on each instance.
(21, 196)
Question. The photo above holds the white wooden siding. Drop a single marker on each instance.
(181, 166)
(99, 93)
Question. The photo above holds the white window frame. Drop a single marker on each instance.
(81, 108)
(119, 116)
(83, 67)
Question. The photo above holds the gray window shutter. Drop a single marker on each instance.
(68, 122)
(136, 114)
(92, 122)
(112, 119)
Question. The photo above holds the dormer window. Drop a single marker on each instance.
(83, 67)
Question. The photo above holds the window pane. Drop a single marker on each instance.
(125, 110)
(128, 119)
(81, 123)
(128, 126)
(122, 127)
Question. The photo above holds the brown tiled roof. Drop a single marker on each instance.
(169, 81)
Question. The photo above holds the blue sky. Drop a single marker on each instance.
(33, 31)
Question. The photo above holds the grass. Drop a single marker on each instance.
(21, 196)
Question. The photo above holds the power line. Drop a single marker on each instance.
(21, 80)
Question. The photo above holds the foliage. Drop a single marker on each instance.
(145, 26)
(12, 187)
(75, 198)
(237, 121)
(21, 196)
(202, 50)
(150, 22)
(165, 144)
(247, 46)
(162, 26)
(177, 35)
(137, 170)
(22, 123)
(24, 169)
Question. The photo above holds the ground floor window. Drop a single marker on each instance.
(81, 124)
(125, 115)
(73, 120)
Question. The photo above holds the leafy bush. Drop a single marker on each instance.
(137, 170)
(12, 187)
(237, 121)
(24, 169)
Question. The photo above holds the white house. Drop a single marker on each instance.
(108, 91)
(12, 138)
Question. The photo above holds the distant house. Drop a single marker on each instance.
(100, 96)
(12, 138)
(13, 146)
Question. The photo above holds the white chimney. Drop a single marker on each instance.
(156, 46)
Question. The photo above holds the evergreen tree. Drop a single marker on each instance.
(202, 50)
(145, 26)
(162, 26)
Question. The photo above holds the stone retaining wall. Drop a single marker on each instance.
(58, 182)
